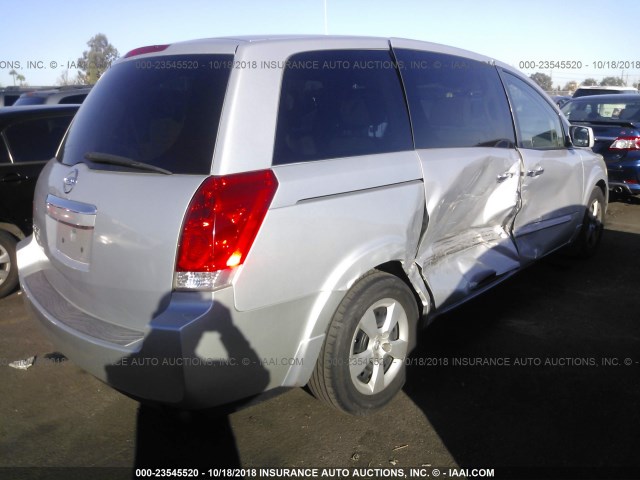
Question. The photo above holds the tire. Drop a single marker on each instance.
(588, 241)
(8, 264)
(362, 364)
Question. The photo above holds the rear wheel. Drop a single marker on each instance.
(362, 363)
(8, 265)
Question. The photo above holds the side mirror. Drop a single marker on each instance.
(581, 136)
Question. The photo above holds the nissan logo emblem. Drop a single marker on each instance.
(70, 180)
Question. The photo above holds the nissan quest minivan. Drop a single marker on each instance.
(229, 216)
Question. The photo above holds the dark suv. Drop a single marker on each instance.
(615, 121)
(29, 136)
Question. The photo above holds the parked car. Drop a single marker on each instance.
(63, 95)
(228, 217)
(603, 90)
(560, 100)
(30, 137)
(615, 121)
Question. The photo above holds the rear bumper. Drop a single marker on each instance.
(163, 364)
(200, 352)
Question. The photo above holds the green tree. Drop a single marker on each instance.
(543, 80)
(570, 86)
(590, 82)
(21, 79)
(95, 61)
(13, 73)
(636, 85)
(613, 82)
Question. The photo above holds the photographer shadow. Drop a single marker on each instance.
(168, 435)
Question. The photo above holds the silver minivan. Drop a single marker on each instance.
(230, 216)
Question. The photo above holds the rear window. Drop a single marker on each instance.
(162, 111)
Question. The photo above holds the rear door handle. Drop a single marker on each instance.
(12, 178)
(535, 173)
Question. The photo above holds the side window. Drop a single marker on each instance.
(538, 125)
(340, 103)
(455, 101)
(71, 99)
(36, 140)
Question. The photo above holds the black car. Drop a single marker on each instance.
(29, 137)
(615, 120)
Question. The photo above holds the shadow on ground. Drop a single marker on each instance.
(169, 368)
(573, 403)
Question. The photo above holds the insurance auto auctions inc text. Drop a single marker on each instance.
(369, 473)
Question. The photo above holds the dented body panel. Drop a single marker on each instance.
(471, 198)
(551, 201)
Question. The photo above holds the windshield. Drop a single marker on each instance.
(596, 110)
(160, 111)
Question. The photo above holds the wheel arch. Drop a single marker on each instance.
(12, 230)
(327, 305)
(605, 190)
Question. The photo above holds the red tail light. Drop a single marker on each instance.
(625, 143)
(220, 225)
(147, 49)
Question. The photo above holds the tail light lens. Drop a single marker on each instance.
(625, 143)
(220, 225)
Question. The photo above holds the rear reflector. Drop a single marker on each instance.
(220, 225)
(147, 49)
(626, 143)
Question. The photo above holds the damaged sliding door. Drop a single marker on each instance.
(464, 137)
(471, 197)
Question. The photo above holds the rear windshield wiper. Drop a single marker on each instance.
(109, 159)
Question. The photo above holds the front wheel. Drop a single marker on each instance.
(588, 240)
(362, 363)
